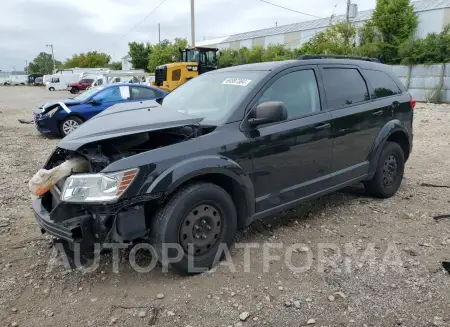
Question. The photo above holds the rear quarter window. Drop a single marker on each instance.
(383, 85)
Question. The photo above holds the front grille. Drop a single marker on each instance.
(160, 75)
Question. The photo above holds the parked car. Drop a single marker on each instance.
(229, 147)
(38, 81)
(32, 78)
(81, 85)
(63, 117)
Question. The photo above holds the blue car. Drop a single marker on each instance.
(62, 117)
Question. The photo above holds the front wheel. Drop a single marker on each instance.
(74, 90)
(70, 124)
(201, 221)
(389, 172)
(51, 88)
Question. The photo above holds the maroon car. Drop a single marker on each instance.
(80, 85)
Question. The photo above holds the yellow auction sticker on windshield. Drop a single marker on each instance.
(236, 81)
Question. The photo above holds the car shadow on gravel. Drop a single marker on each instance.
(305, 213)
(308, 211)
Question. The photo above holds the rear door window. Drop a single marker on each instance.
(344, 87)
(143, 93)
(383, 85)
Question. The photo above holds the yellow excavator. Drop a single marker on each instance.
(194, 61)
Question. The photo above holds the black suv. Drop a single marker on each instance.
(226, 148)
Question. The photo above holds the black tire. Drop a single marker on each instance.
(71, 120)
(74, 90)
(169, 223)
(51, 88)
(389, 172)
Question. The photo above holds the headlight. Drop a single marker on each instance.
(97, 187)
(52, 112)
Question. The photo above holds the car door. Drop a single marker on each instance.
(292, 159)
(144, 93)
(106, 98)
(356, 120)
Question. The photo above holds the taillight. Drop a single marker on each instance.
(412, 102)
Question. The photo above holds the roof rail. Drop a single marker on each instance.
(324, 56)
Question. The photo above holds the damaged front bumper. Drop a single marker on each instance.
(89, 225)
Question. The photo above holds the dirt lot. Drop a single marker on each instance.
(399, 283)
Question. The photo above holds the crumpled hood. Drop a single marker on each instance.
(46, 107)
(126, 119)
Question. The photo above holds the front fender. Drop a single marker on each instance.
(390, 128)
(180, 173)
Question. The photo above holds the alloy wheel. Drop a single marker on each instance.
(69, 126)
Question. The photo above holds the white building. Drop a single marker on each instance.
(433, 16)
(126, 63)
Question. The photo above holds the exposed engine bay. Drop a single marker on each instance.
(101, 154)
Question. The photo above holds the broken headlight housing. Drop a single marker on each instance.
(100, 187)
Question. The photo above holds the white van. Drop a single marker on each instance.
(60, 82)
(46, 79)
(17, 80)
(121, 76)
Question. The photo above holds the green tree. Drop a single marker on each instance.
(368, 33)
(394, 20)
(115, 65)
(338, 39)
(92, 59)
(227, 58)
(256, 54)
(139, 53)
(165, 52)
(277, 52)
(42, 64)
(435, 48)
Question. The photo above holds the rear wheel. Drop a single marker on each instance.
(389, 172)
(201, 220)
(70, 124)
(51, 88)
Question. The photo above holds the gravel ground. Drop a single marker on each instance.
(373, 262)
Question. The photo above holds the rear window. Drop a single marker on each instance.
(383, 85)
(143, 93)
(344, 87)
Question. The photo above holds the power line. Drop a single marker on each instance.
(134, 27)
(299, 12)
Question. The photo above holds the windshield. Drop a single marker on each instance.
(86, 94)
(205, 57)
(191, 55)
(213, 96)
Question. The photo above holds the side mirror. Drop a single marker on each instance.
(268, 112)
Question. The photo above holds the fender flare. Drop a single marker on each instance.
(173, 177)
(390, 128)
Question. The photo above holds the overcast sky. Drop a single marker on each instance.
(75, 26)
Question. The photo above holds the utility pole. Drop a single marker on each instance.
(347, 13)
(276, 24)
(53, 56)
(159, 33)
(26, 66)
(192, 23)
